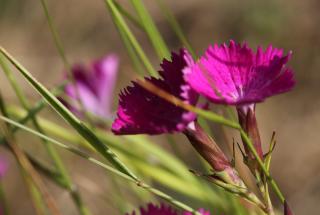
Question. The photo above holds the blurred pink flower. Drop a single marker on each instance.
(3, 167)
(142, 112)
(235, 75)
(163, 210)
(95, 85)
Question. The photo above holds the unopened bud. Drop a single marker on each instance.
(212, 153)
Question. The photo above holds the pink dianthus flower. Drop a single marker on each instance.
(236, 75)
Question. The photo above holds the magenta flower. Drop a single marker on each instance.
(95, 85)
(142, 112)
(235, 75)
(163, 210)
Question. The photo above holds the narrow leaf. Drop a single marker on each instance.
(174, 24)
(70, 118)
(122, 24)
(151, 30)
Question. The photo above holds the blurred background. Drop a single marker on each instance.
(87, 33)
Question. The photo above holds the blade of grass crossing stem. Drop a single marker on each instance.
(70, 118)
(107, 167)
(122, 24)
(151, 30)
(119, 144)
(140, 142)
(51, 150)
